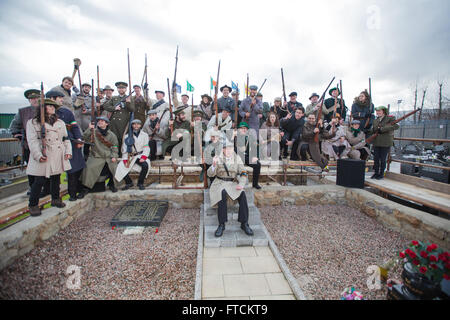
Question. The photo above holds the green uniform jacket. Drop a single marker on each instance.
(386, 138)
(98, 156)
(186, 125)
(141, 108)
(119, 118)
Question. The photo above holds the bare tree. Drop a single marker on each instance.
(423, 100)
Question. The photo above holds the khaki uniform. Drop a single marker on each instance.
(356, 143)
(386, 138)
(236, 171)
(141, 108)
(98, 156)
(119, 118)
(56, 148)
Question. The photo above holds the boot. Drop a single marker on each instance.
(141, 186)
(246, 228)
(112, 188)
(83, 193)
(35, 211)
(127, 186)
(58, 203)
(220, 230)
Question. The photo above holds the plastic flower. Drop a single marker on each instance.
(402, 255)
(423, 270)
(415, 243)
(423, 254)
(433, 258)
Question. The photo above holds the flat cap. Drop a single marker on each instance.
(32, 93)
(54, 94)
(108, 87)
(121, 84)
(103, 118)
(136, 121)
(293, 94)
(253, 87)
(152, 112)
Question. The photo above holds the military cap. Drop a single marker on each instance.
(198, 113)
(243, 124)
(355, 122)
(152, 112)
(253, 87)
(332, 89)
(225, 86)
(86, 85)
(108, 87)
(382, 108)
(179, 111)
(259, 94)
(136, 121)
(103, 118)
(293, 94)
(121, 84)
(159, 91)
(32, 93)
(137, 86)
(54, 94)
(277, 99)
(50, 102)
(314, 95)
(207, 96)
(185, 95)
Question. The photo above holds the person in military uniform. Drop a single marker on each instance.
(309, 145)
(242, 146)
(180, 123)
(108, 91)
(328, 109)
(230, 179)
(384, 126)
(103, 158)
(356, 140)
(18, 125)
(293, 104)
(66, 89)
(77, 161)
(121, 106)
(250, 110)
(153, 129)
(50, 162)
(362, 111)
(139, 160)
(140, 104)
(205, 107)
(292, 127)
(225, 102)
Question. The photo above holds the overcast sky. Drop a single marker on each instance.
(393, 42)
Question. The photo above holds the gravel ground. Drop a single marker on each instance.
(329, 248)
(113, 266)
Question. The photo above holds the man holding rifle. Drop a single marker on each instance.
(331, 103)
(250, 109)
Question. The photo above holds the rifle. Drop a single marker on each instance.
(372, 137)
(215, 97)
(335, 104)
(246, 91)
(251, 106)
(282, 82)
(123, 99)
(92, 112)
(146, 79)
(370, 103)
(42, 109)
(159, 122)
(77, 141)
(129, 141)
(98, 91)
(342, 98)
(170, 107)
(22, 143)
(236, 110)
(319, 115)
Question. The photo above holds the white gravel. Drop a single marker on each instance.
(329, 248)
(113, 266)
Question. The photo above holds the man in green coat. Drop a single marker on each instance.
(384, 127)
(179, 123)
(103, 157)
(120, 107)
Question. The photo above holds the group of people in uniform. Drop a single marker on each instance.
(130, 131)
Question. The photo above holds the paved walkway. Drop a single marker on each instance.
(238, 267)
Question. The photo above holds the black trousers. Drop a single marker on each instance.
(304, 149)
(142, 174)
(108, 174)
(243, 208)
(152, 145)
(73, 183)
(380, 157)
(36, 189)
(284, 147)
(256, 170)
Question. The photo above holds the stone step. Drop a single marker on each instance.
(233, 236)
(231, 210)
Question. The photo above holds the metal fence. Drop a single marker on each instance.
(8, 149)
(424, 130)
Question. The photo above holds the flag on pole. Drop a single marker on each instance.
(213, 83)
(178, 88)
(234, 86)
(189, 87)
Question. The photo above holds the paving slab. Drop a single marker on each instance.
(245, 285)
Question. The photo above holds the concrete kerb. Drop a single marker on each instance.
(199, 269)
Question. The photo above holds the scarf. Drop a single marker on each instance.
(103, 132)
(355, 132)
(136, 133)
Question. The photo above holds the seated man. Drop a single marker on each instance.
(292, 127)
(138, 157)
(356, 140)
(242, 148)
(103, 156)
(334, 147)
(152, 128)
(231, 178)
(224, 122)
(309, 145)
(179, 123)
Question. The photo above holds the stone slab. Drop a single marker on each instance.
(143, 213)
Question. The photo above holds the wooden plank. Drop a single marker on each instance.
(420, 182)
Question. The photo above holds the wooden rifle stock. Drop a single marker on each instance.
(370, 103)
(216, 93)
(282, 82)
(319, 115)
(92, 111)
(98, 91)
(130, 139)
(170, 107)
